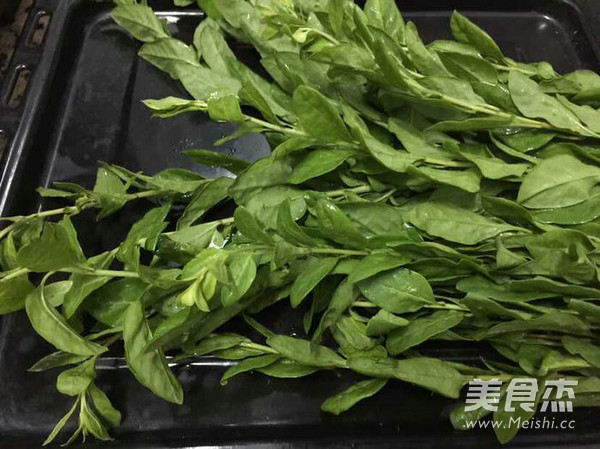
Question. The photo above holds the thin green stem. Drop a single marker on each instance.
(447, 162)
(225, 221)
(276, 128)
(366, 304)
(447, 306)
(342, 192)
(506, 68)
(13, 274)
(330, 38)
(68, 210)
(258, 347)
(144, 194)
(95, 272)
(105, 332)
(385, 196)
(342, 252)
(492, 110)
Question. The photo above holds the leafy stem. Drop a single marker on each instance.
(98, 272)
(343, 192)
(276, 128)
(68, 210)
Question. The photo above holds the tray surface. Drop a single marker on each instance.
(93, 111)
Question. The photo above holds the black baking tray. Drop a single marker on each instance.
(83, 105)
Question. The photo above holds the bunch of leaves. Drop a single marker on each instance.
(414, 193)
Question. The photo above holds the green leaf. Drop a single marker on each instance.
(217, 342)
(149, 368)
(200, 292)
(50, 325)
(421, 330)
(202, 83)
(509, 211)
(467, 180)
(75, 381)
(90, 423)
(589, 86)
(398, 291)
(383, 323)
(512, 152)
(470, 67)
(56, 248)
(559, 181)
(317, 163)
(109, 191)
(532, 102)
(374, 219)
(506, 258)
(463, 420)
(335, 225)
(225, 108)
(351, 335)
(183, 244)
(455, 224)
(84, 284)
(588, 115)
(143, 234)
(318, 116)
(289, 229)
(344, 295)
(428, 63)
(414, 141)
(108, 414)
(432, 374)
(211, 45)
(267, 172)
(207, 196)
(250, 364)
(305, 352)
(384, 14)
(527, 140)
(13, 293)
(585, 308)
(61, 424)
(467, 32)
(167, 54)
(345, 400)
(253, 95)
(140, 21)
(344, 56)
(56, 360)
(313, 272)
(214, 159)
(287, 369)
(577, 346)
(248, 226)
(577, 214)
(553, 321)
(242, 271)
(395, 160)
(108, 303)
(470, 124)
(491, 167)
(444, 46)
(518, 416)
(376, 263)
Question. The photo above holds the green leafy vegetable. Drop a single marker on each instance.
(416, 192)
